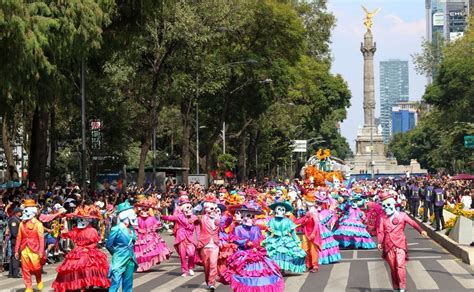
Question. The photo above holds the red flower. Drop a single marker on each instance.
(214, 173)
(229, 174)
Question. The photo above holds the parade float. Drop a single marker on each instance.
(322, 167)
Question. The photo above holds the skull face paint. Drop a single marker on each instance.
(82, 223)
(128, 217)
(187, 209)
(29, 213)
(143, 212)
(238, 216)
(247, 218)
(389, 206)
(280, 211)
(210, 208)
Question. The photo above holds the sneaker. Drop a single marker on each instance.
(184, 275)
(191, 272)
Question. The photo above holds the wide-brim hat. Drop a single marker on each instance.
(233, 208)
(251, 208)
(29, 203)
(285, 204)
(85, 213)
(385, 195)
(124, 207)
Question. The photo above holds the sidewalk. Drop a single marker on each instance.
(462, 251)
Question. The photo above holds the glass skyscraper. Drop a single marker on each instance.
(393, 89)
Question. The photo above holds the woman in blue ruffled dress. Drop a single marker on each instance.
(352, 233)
(282, 244)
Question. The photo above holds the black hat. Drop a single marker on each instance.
(17, 210)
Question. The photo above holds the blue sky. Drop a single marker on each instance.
(398, 31)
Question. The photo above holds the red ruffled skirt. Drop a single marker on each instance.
(82, 267)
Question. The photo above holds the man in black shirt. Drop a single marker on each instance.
(12, 231)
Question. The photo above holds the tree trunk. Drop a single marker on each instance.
(141, 166)
(39, 148)
(53, 147)
(242, 174)
(185, 153)
(7, 146)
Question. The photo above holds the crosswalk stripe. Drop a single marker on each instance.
(294, 283)
(378, 275)
(338, 278)
(174, 284)
(421, 278)
(459, 273)
(22, 285)
(151, 275)
(203, 287)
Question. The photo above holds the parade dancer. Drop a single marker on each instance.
(150, 249)
(351, 231)
(330, 247)
(282, 243)
(85, 266)
(312, 242)
(30, 245)
(184, 229)
(249, 269)
(209, 239)
(392, 241)
(120, 245)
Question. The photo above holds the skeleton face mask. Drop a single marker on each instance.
(210, 208)
(143, 212)
(280, 211)
(247, 218)
(238, 215)
(389, 206)
(128, 217)
(187, 209)
(29, 213)
(82, 223)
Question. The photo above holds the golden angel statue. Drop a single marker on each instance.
(368, 17)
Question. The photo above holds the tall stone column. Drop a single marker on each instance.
(368, 49)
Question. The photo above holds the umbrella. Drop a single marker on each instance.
(463, 176)
(10, 185)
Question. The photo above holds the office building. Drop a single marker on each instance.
(404, 117)
(394, 88)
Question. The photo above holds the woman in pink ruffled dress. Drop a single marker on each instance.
(150, 249)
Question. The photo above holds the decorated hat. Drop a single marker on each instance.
(285, 204)
(29, 203)
(310, 197)
(251, 207)
(87, 212)
(221, 207)
(210, 198)
(123, 207)
(384, 195)
(184, 199)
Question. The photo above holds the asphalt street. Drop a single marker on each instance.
(430, 268)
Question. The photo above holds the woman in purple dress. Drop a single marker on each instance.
(249, 269)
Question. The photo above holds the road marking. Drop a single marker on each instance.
(419, 248)
(354, 255)
(176, 283)
(458, 272)
(338, 278)
(380, 259)
(203, 287)
(412, 243)
(152, 275)
(378, 276)
(417, 271)
(294, 283)
(22, 285)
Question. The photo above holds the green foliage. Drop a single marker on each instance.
(437, 141)
(226, 162)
